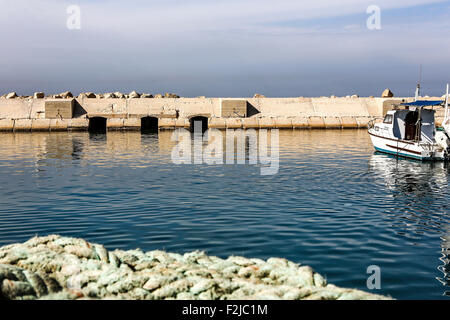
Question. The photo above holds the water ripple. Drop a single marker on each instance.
(334, 205)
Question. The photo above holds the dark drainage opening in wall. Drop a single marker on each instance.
(97, 125)
(149, 125)
(199, 122)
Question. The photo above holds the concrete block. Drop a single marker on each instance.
(349, 122)
(166, 124)
(217, 123)
(266, 123)
(40, 125)
(374, 107)
(37, 109)
(59, 124)
(117, 116)
(233, 123)
(250, 123)
(15, 108)
(389, 104)
(316, 123)
(283, 107)
(39, 115)
(22, 124)
(132, 124)
(142, 106)
(139, 116)
(332, 122)
(234, 108)
(338, 107)
(168, 113)
(108, 108)
(78, 124)
(300, 123)
(362, 121)
(59, 108)
(283, 123)
(182, 123)
(6, 125)
(114, 124)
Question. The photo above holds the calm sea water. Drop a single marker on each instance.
(334, 205)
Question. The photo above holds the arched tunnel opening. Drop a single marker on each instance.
(149, 125)
(199, 122)
(97, 125)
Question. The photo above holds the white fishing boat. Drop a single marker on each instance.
(409, 131)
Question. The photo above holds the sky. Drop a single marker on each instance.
(224, 48)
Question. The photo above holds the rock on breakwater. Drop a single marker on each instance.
(56, 267)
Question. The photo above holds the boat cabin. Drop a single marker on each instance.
(410, 121)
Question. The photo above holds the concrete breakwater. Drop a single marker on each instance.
(134, 112)
(55, 267)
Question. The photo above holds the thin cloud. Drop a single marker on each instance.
(189, 45)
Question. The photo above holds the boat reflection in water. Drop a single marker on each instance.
(418, 185)
(409, 175)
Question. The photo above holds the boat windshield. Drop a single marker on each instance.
(388, 119)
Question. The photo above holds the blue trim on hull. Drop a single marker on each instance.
(400, 154)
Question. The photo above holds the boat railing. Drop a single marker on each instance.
(372, 122)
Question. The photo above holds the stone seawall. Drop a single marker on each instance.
(55, 267)
(29, 114)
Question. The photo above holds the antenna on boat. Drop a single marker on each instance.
(418, 84)
(446, 97)
(447, 111)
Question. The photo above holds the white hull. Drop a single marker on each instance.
(407, 149)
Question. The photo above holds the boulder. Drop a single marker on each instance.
(354, 96)
(66, 95)
(134, 94)
(110, 95)
(11, 95)
(159, 96)
(55, 267)
(38, 95)
(257, 95)
(146, 95)
(119, 95)
(171, 95)
(387, 93)
(90, 95)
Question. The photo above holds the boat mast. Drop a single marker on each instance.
(446, 123)
(418, 84)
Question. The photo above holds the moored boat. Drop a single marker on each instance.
(409, 131)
